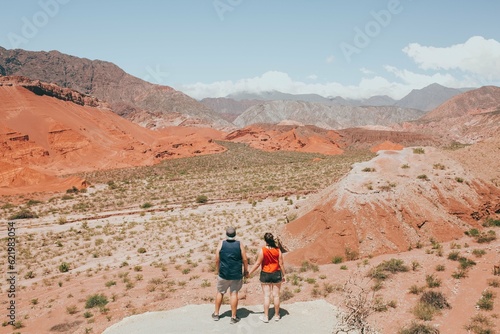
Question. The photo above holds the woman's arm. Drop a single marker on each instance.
(282, 266)
(257, 263)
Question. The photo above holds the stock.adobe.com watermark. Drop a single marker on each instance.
(11, 272)
(363, 36)
(31, 26)
(223, 6)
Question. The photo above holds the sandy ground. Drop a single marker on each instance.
(165, 278)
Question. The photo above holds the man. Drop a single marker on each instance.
(229, 258)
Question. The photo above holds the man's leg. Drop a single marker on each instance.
(218, 302)
(234, 303)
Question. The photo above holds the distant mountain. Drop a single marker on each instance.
(424, 99)
(325, 116)
(475, 101)
(428, 97)
(228, 108)
(276, 95)
(150, 105)
(379, 100)
(467, 118)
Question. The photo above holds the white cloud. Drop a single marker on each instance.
(274, 80)
(471, 64)
(477, 56)
(330, 59)
(366, 71)
(312, 77)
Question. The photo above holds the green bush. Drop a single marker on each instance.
(384, 269)
(480, 324)
(419, 328)
(72, 190)
(97, 300)
(485, 237)
(418, 150)
(146, 205)
(64, 267)
(435, 299)
(337, 259)
(432, 282)
(491, 222)
(23, 214)
(201, 199)
(473, 232)
(393, 266)
(286, 294)
(424, 311)
(486, 301)
(454, 255)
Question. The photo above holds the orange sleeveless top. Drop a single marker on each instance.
(270, 260)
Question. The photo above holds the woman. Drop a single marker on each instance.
(272, 274)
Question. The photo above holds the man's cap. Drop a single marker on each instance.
(231, 232)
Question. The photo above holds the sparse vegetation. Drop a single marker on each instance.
(337, 259)
(64, 267)
(23, 214)
(384, 269)
(96, 300)
(490, 222)
(486, 300)
(418, 328)
(439, 166)
(480, 324)
(430, 303)
(418, 150)
(201, 199)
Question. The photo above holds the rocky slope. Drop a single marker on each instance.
(389, 204)
(328, 117)
(51, 131)
(467, 118)
(128, 96)
(288, 138)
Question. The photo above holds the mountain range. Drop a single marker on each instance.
(153, 106)
(156, 106)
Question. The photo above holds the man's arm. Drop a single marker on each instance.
(217, 258)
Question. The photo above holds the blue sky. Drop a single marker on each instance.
(351, 48)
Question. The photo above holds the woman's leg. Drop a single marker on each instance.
(266, 288)
(276, 299)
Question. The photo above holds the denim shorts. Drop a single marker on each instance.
(274, 277)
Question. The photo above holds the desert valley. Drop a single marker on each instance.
(114, 193)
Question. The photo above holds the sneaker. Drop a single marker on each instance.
(234, 320)
(215, 317)
(264, 319)
(277, 318)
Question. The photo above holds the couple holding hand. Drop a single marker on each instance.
(229, 259)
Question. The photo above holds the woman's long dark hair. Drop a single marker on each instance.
(269, 239)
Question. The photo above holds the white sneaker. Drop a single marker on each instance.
(264, 319)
